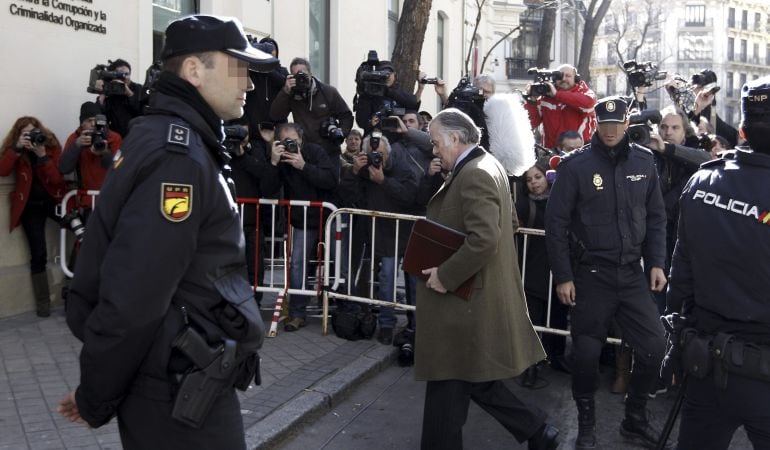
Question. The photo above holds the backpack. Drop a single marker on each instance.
(353, 324)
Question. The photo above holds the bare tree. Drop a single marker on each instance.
(593, 17)
(410, 36)
(630, 36)
(479, 11)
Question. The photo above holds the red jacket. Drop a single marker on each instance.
(47, 173)
(91, 170)
(571, 110)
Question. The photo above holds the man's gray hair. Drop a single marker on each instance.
(454, 121)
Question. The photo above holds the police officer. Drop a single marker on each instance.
(720, 279)
(604, 214)
(160, 288)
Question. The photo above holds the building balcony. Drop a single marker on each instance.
(695, 55)
(684, 23)
(516, 68)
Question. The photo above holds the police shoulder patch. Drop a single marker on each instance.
(178, 135)
(176, 201)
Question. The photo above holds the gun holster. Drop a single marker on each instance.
(696, 354)
(213, 373)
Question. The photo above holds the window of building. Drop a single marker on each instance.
(319, 38)
(744, 19)
(524, 47)
(163, 13)
(741, 81)
(755, 55)
(729, 82)
(730, 49)
(730, 113)
(744, 44)
(731, 18)
(440, 30)
(767, 55)
(392, 26)
(612, 57)
(757, 21)
(697, 46)
(610, 85)
(695, 15)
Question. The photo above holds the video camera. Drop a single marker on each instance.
(541, 77)
(302, 86)
(99, 133)
(234, 135)
(114, 81)
(433, 80)
(36, 137)
(369, 80)
(707, 79)
(642, 74)
(330, 129)
(641, 126)
(389, 108)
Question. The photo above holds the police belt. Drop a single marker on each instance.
(704, 355)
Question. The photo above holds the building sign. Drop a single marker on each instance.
(80, 15)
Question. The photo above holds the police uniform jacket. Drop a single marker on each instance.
(165, 235)
(488, 337)
(605, 206)
(719, 272)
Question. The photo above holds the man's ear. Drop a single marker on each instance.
(741, 133)
(192, 70)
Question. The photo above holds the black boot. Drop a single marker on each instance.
(636, 426)
(42, 294)
(586, 438)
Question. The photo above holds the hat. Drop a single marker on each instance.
(755, 101)
(611, 109)
(195, 34)
(266, 47)
(88, 110)
(426, 114)
(386, 65)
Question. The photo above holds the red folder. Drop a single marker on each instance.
(430, 244)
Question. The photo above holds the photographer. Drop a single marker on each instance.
(388, 99)
(32, 152)
(317, 107)
(384, 182)
(305, 172)
(88, 151)
(123, 105)
(568, 105)
(704, 86)
(266, 89)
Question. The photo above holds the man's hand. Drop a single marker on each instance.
(657, 279)
(656, 143)
(402, 129)
(84, 140)
(127, 90)
(293, 159)
(703, 100)
(566, 293)
(440, 88)
(433, 281)
(359, 162)
(434, 167)
(276, 152)
(68, 408)
(290, 83)
(551, 89)
(376, 174)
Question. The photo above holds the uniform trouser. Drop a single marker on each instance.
(711, 415)
(446, 410)
(622, 293)
(146, 423)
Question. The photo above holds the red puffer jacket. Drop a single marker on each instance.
(47, 173)
(571, 110)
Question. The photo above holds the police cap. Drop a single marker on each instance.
(755, 101)
(200, 33)
(611, 109)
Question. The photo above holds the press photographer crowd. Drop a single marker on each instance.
(648, 215)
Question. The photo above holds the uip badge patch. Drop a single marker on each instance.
(176, 201)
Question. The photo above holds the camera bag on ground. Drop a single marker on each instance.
(353, 323)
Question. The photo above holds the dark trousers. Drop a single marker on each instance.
(554, 344)
(622, 293)
(711, 415)
(33, 222)
(146, 423)
(446, 410)
(256, 268)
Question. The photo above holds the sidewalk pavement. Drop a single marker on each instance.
(303, 374)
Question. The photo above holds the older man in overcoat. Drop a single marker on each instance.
(464, 348)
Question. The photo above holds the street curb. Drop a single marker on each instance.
(316, 400)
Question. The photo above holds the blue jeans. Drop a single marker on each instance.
(387, 278)
(301, 267)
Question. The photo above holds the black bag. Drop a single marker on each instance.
(353, 324)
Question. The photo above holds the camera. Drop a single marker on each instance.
(114, 81)
(99, 133)
(705, 142)
(641, 126)
(74, 221)
(369, 80)
(433, 80)
(374, 159)
(150, 77)
(330, 129)
(389, 108)
(541, 77)
(302, 86)
(290, 145)
(642, 74)
(36, 137)
(234, 135)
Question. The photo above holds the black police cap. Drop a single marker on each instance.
(611, 109)
(200, 33)
(755, 101)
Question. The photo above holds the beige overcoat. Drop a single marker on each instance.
(489, 337)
